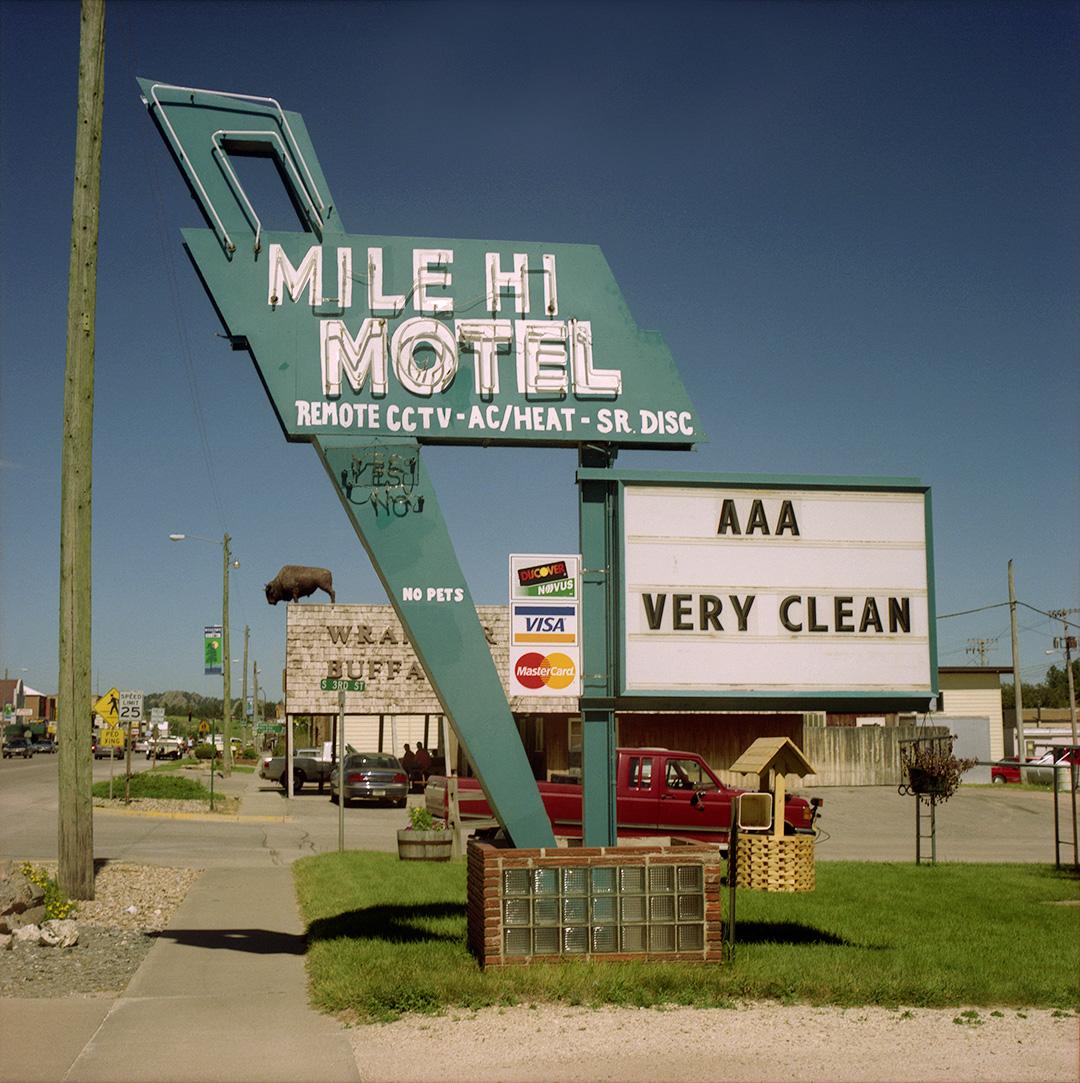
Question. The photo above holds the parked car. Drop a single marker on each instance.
(371, 776)
(44, 745)
(108, 752)
(1039, 770)
(18, 746)
(308, 766)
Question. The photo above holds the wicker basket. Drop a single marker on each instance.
(767, 863)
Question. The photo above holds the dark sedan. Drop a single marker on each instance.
(372, 776)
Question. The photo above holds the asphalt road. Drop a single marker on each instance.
(271, 830)
(868, 823)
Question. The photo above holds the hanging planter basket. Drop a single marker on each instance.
(926, 783)
(415, 845)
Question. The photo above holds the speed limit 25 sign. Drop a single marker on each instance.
(131, 707)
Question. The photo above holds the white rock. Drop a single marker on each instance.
(131, 910)
(59, 933)
(29, 934)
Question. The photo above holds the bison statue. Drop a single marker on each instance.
(296, 581)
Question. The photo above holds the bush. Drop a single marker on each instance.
(249, 753)
(57, 904)
(421, 820)
(151, 784)
(205, 752)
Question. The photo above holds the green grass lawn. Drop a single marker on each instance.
(387, 937)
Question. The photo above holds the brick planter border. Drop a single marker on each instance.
(518, 899)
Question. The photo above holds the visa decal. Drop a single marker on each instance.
(544, 624)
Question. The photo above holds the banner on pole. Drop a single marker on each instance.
(212, 661)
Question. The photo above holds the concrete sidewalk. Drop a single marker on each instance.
(222, 995)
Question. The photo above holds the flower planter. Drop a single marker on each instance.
(923, 782)
(424, 845)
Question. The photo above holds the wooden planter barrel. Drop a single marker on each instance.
(424, 845)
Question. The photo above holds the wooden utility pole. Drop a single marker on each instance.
(243, 690)
(1067, 643)
(255, 716)
(75, 820)
(1018, 698)
(226, 706)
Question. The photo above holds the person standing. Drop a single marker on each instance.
(408, 761)
(423, 760)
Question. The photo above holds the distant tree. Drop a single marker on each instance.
(1052, 691)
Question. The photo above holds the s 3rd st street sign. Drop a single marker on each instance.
(340, 684)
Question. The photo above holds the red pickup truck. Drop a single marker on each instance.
(658, 792)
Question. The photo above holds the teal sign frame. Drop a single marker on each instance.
(603, 539)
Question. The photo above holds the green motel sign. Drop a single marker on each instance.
(435, 339)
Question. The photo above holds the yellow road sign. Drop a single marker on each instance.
(204, 727)
(111, 737)
(109, 707)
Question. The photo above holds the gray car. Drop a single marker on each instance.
(372, 776)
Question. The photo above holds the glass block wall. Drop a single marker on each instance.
(583, 903)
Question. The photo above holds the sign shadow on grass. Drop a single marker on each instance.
(395, 924)
(792, 932)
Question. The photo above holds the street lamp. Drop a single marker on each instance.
(226, 669)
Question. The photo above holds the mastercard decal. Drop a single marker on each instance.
(535, 670)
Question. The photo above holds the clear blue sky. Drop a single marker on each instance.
(856, 226)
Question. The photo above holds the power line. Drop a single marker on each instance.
(965, 612)
(1053, 614)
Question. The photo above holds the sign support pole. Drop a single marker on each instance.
(341, 772)
(401, 526)
(599, 684)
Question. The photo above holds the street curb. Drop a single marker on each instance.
(204, 817)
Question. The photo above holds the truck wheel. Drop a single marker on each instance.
(298, 781)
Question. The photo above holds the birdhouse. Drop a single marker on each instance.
(782, 757)
(764, 859)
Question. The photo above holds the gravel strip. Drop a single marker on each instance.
(222, 804)
(752, 1043)
(116, 929)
